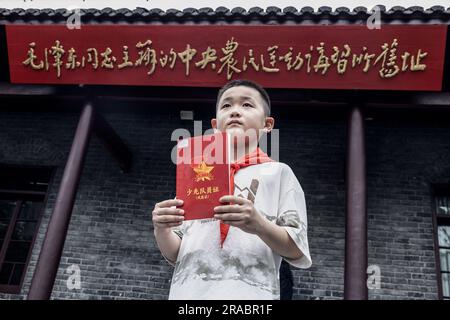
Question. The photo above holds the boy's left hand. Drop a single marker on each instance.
(241, 213)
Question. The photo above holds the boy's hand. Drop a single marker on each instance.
(241, 214)
(165, 215)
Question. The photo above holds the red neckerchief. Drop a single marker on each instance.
(256, 157)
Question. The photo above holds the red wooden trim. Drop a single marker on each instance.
(437, 260)
(12, 224)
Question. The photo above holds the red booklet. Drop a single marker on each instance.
(203, 173)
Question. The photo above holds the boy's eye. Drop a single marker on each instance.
(226, 105)
(248, 105)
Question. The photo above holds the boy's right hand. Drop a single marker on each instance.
(165, 215)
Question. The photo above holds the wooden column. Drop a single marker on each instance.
(355, 286)
(50, 256)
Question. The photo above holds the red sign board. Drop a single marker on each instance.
(395, 57)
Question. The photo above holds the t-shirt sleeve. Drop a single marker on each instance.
(292, 217)
(178, 231)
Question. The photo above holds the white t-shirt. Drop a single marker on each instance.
(245, 268)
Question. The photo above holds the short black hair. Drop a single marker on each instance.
(250, 84)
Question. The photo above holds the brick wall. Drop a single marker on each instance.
(110, 236)
(404, 160)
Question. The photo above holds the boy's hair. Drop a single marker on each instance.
(250, 84)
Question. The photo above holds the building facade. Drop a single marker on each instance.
(398, 161)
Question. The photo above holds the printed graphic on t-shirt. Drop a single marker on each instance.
(248, 193)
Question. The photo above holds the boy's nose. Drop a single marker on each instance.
(235, 112)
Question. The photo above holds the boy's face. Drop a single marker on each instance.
(239, 109)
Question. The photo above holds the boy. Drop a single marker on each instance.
(237, 255)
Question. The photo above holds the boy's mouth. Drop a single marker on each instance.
(234, 122)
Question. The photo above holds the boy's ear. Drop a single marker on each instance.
(268, 125)
(214, 123)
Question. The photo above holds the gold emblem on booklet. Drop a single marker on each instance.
(203, 172)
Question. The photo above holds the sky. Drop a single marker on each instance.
(168, 4)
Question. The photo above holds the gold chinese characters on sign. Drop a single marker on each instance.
(387, 61)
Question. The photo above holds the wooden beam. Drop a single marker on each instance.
(113, 143)
(208, 95)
